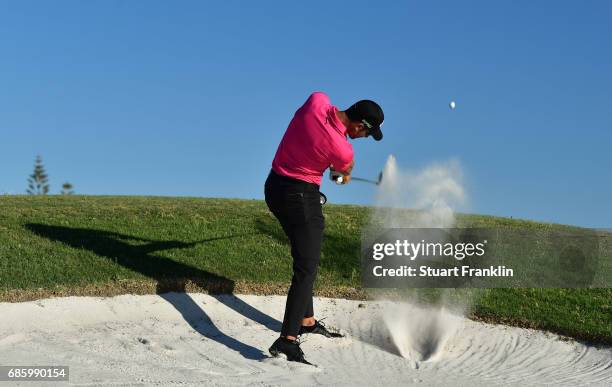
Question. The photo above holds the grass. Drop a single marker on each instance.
(100, 245)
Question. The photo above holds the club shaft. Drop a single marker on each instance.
(364, 180)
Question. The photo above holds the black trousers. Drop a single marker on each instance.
(296, 204)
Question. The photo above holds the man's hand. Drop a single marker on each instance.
(346, 174)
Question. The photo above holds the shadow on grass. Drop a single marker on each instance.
(140, 258)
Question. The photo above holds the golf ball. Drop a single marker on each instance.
(452, 105)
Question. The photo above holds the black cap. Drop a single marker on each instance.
(370, 114)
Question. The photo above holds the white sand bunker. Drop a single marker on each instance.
(195, 339)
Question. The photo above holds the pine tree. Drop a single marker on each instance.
(67, 189)
(38, 183)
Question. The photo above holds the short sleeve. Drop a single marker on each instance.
(342, 158)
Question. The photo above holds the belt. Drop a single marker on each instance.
(295, 182)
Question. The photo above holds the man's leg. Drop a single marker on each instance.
(308, 319)
(309, 315)
(306, 250)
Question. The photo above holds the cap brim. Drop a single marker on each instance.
(376, 134)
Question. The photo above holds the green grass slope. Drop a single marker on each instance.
(99, 245)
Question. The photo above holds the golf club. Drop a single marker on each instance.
(376, 182)
(338, 179)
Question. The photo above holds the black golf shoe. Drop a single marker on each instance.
(319, 328)
(291, 349)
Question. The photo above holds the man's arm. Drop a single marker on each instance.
(346, 173)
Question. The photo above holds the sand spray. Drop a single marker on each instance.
(423, 199)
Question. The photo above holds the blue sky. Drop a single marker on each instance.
(191, 98)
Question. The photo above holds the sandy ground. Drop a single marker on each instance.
(195, 339)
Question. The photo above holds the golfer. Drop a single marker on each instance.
(315, 140)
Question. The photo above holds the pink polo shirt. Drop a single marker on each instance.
(314, 140)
